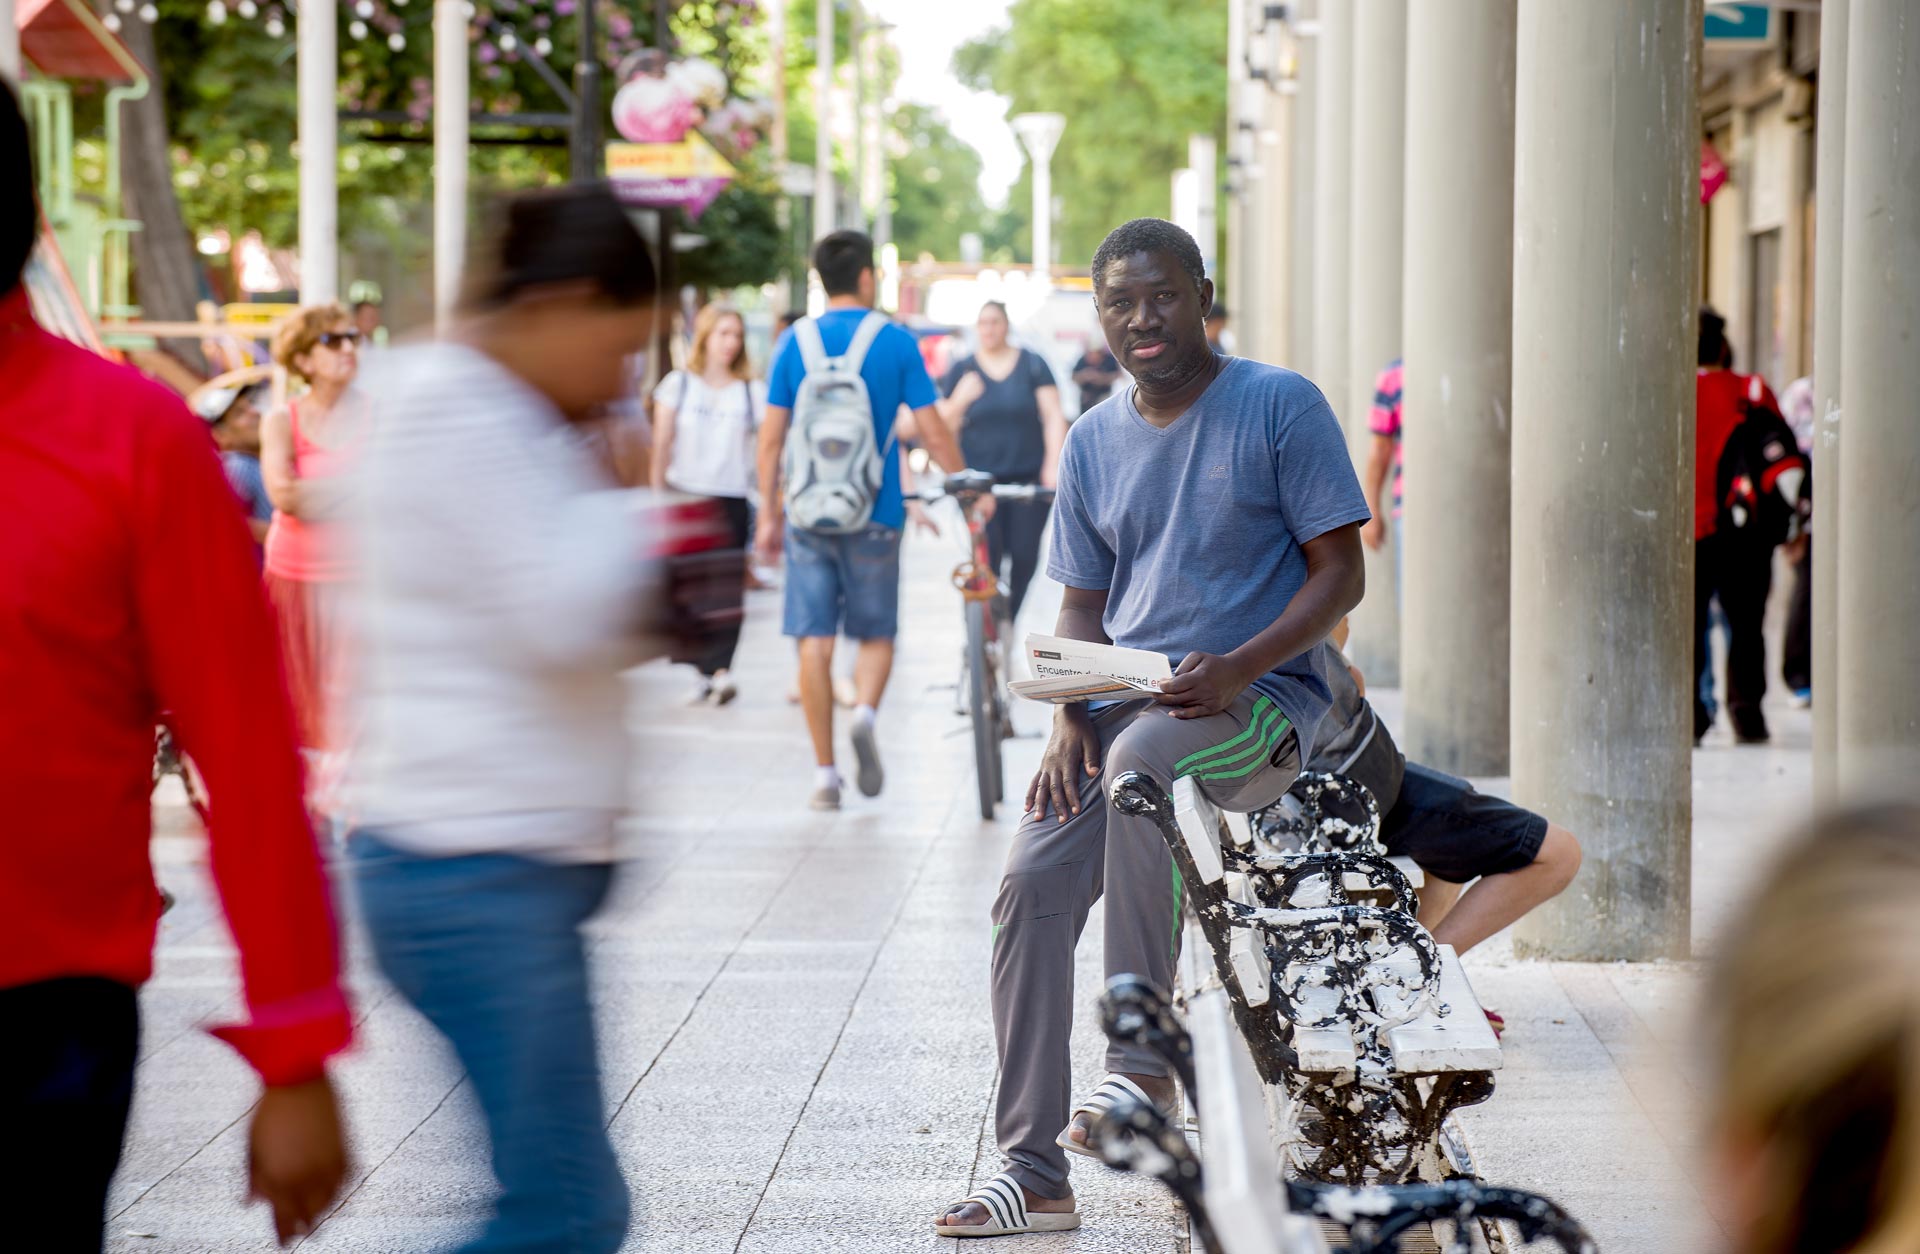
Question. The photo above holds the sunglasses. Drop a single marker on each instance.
(334, 339)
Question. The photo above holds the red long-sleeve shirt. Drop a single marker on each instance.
(128, 585)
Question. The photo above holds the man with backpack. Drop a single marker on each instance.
(1748, 472)
(831, 496)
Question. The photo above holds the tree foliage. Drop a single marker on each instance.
(1134, 80)
(229, 82)
(936, 185)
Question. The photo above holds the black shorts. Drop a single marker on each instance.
(1456, 833)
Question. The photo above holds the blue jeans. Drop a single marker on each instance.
(843, 581)
(488, 948)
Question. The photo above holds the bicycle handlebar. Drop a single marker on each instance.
(999, 491)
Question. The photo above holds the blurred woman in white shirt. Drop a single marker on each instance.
(706, 421)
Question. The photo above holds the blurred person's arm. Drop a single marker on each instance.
(770, 522)
(917, 514)
(662, 454)
(1053, 422)
(663, 431)
(961, 394)
(276, 461)
(215, 665)
(1374, 482)
(938, 439)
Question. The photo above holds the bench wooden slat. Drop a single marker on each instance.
(1243, 1196)
(1199, 821)
(1462, 1040)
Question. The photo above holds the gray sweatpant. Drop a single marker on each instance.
(1244, 758)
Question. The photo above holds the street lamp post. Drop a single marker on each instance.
(583, 157)
(1038, 133)
(823, 189)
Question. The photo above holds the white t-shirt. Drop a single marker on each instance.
(714, 433)
(506, 585)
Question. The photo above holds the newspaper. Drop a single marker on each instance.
(1069, 671)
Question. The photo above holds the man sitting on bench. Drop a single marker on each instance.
(1209, 513)
(1513, 858)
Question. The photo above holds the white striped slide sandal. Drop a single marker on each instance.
(1007, 1213)
(1098, 1103)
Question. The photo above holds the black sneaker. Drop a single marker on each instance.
(1750, 727)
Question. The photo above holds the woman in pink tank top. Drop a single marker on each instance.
(307, 447)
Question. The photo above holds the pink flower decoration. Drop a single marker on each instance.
(653, 111)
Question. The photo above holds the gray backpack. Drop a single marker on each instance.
(834, 465)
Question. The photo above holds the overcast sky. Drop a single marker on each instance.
(926, 36)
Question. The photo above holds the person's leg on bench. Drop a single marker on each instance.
(1511, 858)
(1054, 873)
(1244, 758)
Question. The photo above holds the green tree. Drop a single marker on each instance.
(936, 185)
(1134, 80)
(216, 137)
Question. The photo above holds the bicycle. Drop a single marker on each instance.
(989, 629)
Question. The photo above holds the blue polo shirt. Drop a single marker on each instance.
(894, 375)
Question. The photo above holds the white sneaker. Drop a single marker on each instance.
(825, 798)
(867, 751)
(722, 689)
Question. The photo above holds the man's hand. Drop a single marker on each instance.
(297, 1159)
(1073, 755)
(984, 505)
(1374, 534)
(1206, 683)
(766, 539)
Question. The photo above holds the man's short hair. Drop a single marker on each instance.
(1149, 235)
(19, 219)
(840, 257)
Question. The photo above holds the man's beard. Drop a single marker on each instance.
(1177, 374)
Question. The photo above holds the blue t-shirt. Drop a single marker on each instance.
(894, 375)
(243, 474)
(1195, 529)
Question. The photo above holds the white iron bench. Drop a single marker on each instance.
(1371, 1031)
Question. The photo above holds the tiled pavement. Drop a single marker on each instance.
(793, 1011)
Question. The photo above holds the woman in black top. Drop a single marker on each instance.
(1005, 403)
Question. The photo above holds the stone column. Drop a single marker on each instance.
(1378, 178)
(317, 82)
(1606, 219)
(1332, 166)
(1459, 352)
(1830, 149)
(1236, 273)
(1878, 732)
(1273, 292)
(1301, 123)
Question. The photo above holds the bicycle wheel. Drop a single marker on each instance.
(982, 676)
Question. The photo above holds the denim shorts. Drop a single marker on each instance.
(1456, 832)
(843, 582)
